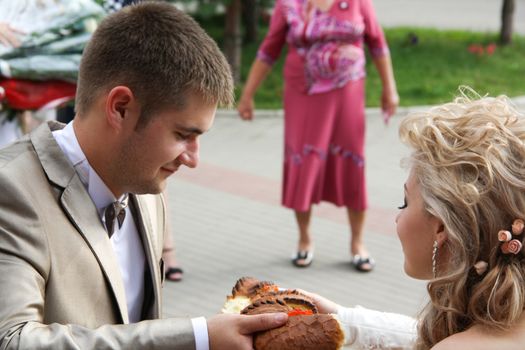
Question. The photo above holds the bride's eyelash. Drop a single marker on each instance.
(404, 204)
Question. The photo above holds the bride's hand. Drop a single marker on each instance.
(324, 305)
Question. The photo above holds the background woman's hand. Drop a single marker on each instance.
(245, 108)
(389, 103)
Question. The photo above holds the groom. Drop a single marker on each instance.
(81, 218)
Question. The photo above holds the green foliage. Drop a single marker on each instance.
(214, 26)
(270, 93)
(207, 9)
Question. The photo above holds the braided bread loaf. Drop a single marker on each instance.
(306, 329)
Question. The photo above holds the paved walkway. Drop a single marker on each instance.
(476, 15)
(227, 221)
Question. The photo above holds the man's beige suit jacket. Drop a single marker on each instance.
(60, 283)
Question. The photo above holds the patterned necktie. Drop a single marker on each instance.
(115, 210)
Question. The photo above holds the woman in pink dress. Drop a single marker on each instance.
(324, 104)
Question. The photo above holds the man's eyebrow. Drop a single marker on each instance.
(189, 129)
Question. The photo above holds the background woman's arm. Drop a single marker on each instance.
(389, 96)
(258, 73)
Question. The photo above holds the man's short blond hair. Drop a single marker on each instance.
(157, 51)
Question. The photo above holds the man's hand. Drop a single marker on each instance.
(234, 332)
(8, 35)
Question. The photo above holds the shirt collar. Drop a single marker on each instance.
(97, 189)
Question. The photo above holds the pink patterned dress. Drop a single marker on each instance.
(324, 98)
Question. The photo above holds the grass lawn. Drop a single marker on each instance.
(427, 72)
(431, 71)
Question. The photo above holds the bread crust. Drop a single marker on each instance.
(251, 287)
(306, 328)
(305, 332)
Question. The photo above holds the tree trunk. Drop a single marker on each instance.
(232, 38)
(250, 11)
(507, 14)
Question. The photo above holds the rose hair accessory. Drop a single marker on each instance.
(481, 267)
(511, 245)
(504, 236)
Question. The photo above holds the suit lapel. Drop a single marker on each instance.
(145, 225)
(79, 207)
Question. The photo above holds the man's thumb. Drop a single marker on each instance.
(256, 323)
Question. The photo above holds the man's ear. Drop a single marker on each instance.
(119, 103)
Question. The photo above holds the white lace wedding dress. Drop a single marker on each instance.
(370, 329)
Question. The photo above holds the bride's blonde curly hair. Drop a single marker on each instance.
(469, 159)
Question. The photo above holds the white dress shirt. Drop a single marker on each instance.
(126, 242)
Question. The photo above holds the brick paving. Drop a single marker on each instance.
(227, 222)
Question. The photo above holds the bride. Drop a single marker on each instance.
(461, 227)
